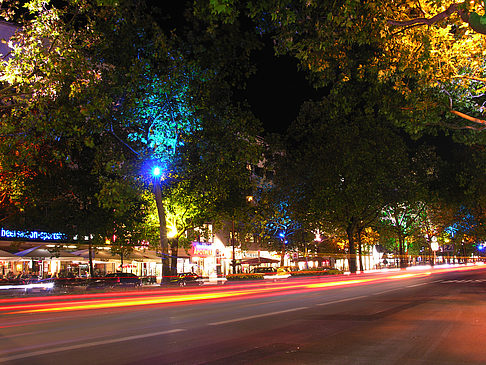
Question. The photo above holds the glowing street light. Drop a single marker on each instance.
(434, 245)
(164, 244)
(156, 171)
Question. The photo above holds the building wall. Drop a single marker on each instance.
(7, 30)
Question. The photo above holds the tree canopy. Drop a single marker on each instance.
(106, 79)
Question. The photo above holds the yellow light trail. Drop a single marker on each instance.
(139, 302)
(117, 303)
(167, 298)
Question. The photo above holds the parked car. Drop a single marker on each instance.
(280, 272)
(115, 279)
(265, 270)
(22, 279)
(284, 270)
(185, 279)
(68, 280)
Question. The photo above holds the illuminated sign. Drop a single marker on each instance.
(31, 235)
(434, 245)
(202, 249)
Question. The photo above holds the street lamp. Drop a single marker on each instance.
(156, 171)
(434, 245)
(164, 244)
(282, 235)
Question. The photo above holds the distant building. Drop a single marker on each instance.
(7, 30)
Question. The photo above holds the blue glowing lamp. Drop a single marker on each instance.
(282, 235)
(156, 171)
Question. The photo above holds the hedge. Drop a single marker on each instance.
(315, 272)
(233, 277)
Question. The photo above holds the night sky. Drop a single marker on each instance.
(277, 90)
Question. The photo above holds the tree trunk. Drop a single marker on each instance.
(464, 251)
(174, 246)
(401, 252)
(233, 244)
(352, 249)
(90, 258)
(164, 244)
(282, 257)
(360, 252)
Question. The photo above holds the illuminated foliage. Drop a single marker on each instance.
(81, 82)
(163, 114)
(370, 237)
(432, 51)
(358, 158)
(103, 81)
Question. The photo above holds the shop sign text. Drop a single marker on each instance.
(201, 249)
(31, 235)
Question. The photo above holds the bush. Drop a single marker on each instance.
(234, 277)
(317, 271)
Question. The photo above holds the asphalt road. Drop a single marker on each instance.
(413, 317)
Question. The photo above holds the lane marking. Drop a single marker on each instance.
(87, 344)
(463, 281)
(256, 316)
(414, 285)
(387, 291)
(342, 300)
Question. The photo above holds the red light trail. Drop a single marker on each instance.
(86, 302)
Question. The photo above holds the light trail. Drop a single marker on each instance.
(163, 297)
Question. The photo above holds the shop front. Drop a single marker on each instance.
(8, 263)
(212, 260)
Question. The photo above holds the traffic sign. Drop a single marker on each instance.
(447, 248)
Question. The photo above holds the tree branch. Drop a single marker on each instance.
(454, 8)
(461, 127)
(427, 21)
(406, 28)
(122, 141)
(473, 78)
(468, 117)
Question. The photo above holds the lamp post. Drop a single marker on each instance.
(233, 244)
(317, 240)
(284, 242)
(164, 243)
(434, 245)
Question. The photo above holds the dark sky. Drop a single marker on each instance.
(277, 90)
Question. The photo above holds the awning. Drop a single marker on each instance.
(151, 255)
(43, 253)
(106, 255)
(315, 258)
(254, 261)
(7, 256)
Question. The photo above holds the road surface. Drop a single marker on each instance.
(430, 316)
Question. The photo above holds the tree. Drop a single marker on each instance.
(461, 191)
(66, 86)
(409, 199)
(356, 154)
(458, 52)
(279, 228)
(403, 220)
(103, 77)
(428, 50)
